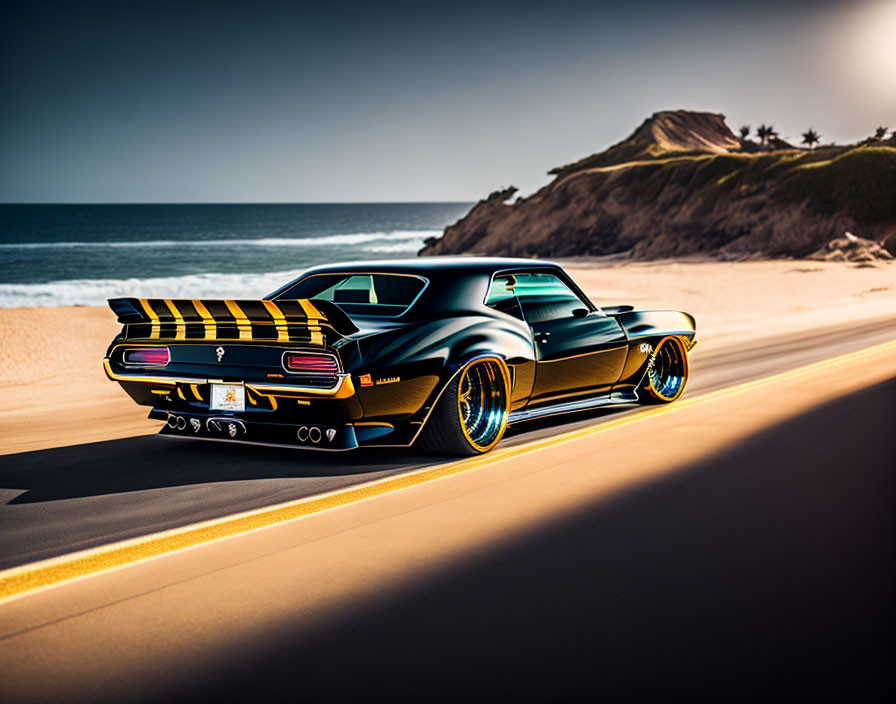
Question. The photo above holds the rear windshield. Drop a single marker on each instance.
(379, 295)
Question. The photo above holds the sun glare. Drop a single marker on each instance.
(870, 45)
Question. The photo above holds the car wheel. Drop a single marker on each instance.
(471, 414)
(666, 374)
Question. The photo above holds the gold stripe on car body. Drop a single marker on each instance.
(242, 322)
(272, 400)
(314, 317)
(180, 330)
(154, 319)
(211, 327)
(279, 320)
(343, 389)
(195, 389)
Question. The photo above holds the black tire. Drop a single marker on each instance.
(667, 374)
(471, 414)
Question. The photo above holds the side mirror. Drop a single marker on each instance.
(580, 312)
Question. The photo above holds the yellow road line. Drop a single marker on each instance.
(28, 579)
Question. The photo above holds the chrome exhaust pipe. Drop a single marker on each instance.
(302, 433)
(314, 434)
(172, 421)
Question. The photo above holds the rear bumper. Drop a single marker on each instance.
(344, 388)
(279, 414)
(215, 426)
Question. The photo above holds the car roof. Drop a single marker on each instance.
(455, 284)
(429, 266)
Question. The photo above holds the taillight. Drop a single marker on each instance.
(310, 363)
(147, 356)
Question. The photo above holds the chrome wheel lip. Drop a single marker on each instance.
(484, 402)
(667, 372)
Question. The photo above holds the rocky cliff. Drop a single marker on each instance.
(684, 184)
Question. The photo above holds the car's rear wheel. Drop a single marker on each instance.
(471, 415)
(667, 372)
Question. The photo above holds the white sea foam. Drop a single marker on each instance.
(92, 292)
(323, 241)
(95, 292)
(412, 246)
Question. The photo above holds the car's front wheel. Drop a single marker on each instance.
(471, 414)
(667, 372)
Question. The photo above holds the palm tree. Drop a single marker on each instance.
(810, 138)
(744, 131)
(765, 132)
(881, 133)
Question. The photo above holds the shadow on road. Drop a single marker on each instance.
(765, 572)
(150, 462)
(71, 498)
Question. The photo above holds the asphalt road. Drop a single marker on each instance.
(57, 501)
(764, 572)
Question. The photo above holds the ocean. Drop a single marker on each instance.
(53, 255)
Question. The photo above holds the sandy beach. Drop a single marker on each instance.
(54, 392)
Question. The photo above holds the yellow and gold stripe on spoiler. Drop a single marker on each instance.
(211, 329)
(154, 319)
(180, 327)
(279, 320)
(242, 322)
(314, 318)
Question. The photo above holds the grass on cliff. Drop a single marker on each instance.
(862, 182)
(859, 181)
(619, 155)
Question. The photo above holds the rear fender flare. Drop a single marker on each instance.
(437, 394)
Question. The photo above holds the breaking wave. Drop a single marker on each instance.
(95, 292)
(323, 241)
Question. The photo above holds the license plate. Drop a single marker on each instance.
(228, 397)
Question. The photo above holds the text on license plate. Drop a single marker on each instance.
(227, 397)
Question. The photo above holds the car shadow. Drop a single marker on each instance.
(154, 462)
(50, 500)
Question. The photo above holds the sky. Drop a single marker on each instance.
(414, 101)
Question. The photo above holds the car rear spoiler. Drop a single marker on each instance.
(311, 322)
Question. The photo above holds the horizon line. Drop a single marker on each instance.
(258, 202)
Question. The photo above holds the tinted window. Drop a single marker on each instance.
(502, 298)
(542, 297)
(382, 295)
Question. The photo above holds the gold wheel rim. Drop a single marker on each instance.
(667, 383)
(483, 402)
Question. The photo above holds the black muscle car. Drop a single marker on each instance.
(440, 353)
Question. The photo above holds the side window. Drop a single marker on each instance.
(352, 289)
(545, 297)
(501, 296)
